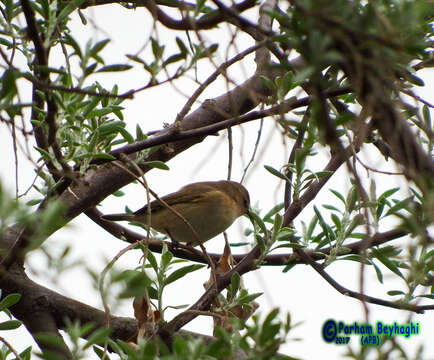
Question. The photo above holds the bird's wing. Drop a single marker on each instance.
(176, 198)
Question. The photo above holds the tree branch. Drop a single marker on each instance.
(365, 298)
(189, 253)
(172, 135)
(38, 303)
(207, 21)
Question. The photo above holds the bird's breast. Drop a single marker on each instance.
(207, 218)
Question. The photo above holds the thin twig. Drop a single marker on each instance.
(220, 70)
(255, 149)
(11, 348)
(297, 145)
(101, 285)
(364, 298)
(230, 153)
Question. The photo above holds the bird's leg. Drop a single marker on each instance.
(175, 243)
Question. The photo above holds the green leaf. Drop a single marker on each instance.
(9, 300)
(285, 234)
(136, 59)
(98, 47)
(33, 202)
(9, 4)
(326, 228)
(302, 75)
(259, 222)
(336, 221)
(288, 267)
(331, 207)
(356, 221)
(6, 43)
(276, 172)
(137, 282)
(268, 83)
(68, 9)
(49, 69)
(338, 195)
(157, 164)
(118, 193)
(351, 199)
(126, 135)
(69, 40)
(181, 46)
(153, 261)
(166, 257)
(181, 349)
(104, 156)
(90, 69)
(388, 193)
(273, 211)
(10, 325)
(277, 225)
(235, 285)
(26, 353)
(318, 175)
(173, 58)
(97, 337)
(395, 292)
(114, 67)
(157, 50)
(269, 329)
(353, 257)
(100, 112)
(153, 292)
(386, 262)
(128, 350)
(248, 298)
(300, 159)
(427, 116)
(416, 80)
(139, 133)
(8, 83)
(290, 245)
(100, 352)
(50, 355)
(110, 128)
(428, 255)
(398, 206)
(179, 273)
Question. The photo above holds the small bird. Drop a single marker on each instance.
(210, 207)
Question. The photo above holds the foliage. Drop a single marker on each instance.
(336, 78)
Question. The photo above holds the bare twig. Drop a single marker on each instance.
(362, 297)
(11, 348)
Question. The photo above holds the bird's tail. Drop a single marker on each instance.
(118, 217)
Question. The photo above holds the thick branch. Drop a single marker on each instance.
(205, 22)
(164, 137)
(38, 302)
(36, 298)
